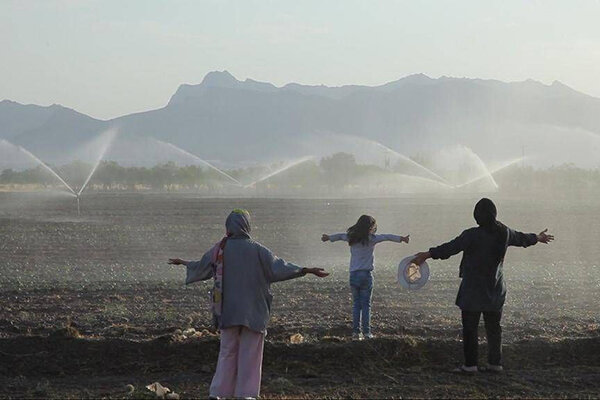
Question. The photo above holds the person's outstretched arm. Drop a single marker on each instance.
(277, 269)
(521, 239)
(387, 237)
(445, 250)
(334, 237)
(196, 270)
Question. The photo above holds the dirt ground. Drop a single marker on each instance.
(67, 343)
(88, 305)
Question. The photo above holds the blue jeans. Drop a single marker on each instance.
(361, 284)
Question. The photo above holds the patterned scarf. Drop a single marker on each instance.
(216, 294)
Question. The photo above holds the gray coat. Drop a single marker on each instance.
(249, 269)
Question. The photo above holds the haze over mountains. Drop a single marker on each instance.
(241, 122)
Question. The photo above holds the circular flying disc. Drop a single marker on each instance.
(412, 276)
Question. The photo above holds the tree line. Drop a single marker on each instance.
(338, 172)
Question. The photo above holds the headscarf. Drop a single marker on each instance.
(238, 223)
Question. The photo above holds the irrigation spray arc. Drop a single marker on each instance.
(491, 172)
(487, 173)
(430, 173)
(41, 163)
(387, 151)
(195, 157)
(278, 171)
(225, 174)
(410, 161)
(107, 138)
(479, 162)
(432, 177)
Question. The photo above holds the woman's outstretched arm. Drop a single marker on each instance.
(544, 237)
(521, 239)
(445, 250)
(196, 270)
(277, 269)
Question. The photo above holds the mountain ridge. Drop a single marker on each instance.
(224, 79)
(232, 120)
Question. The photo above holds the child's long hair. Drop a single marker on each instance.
(362, 230)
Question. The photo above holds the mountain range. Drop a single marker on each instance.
(235, 122)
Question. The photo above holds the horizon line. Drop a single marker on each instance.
(250, 80)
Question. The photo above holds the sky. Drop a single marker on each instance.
(109, 58)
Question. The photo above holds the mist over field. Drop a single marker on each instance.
(247, 138)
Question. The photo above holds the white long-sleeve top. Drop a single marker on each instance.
(361, 255)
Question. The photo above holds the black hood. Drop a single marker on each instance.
(485, 213)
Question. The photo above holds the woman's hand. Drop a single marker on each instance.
(177, 261)
(325, 238)
(406, 239)
(320, 272)
(420, 258)
(543, 237)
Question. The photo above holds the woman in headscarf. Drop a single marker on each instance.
(482, 290)
(243, 271)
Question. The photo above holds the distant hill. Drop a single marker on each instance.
(17, 118)
(236, 122)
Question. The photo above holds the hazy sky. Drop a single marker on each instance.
(109, 58)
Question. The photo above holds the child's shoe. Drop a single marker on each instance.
(369, 336)
(357, 336)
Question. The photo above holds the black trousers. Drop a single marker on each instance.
(470, 322)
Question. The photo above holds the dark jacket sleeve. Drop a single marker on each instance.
(521, 239)
(451, 248)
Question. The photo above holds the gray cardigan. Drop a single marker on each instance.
(249, 270)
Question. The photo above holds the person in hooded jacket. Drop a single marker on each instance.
(248, 269)
(482, 289)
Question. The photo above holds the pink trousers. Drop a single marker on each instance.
(239, 366)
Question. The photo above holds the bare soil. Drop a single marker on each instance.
(88, 306)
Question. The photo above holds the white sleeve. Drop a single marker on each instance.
(338, 236)
(387, 237)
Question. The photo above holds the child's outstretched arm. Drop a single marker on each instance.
(386, 237)
(334, 237)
